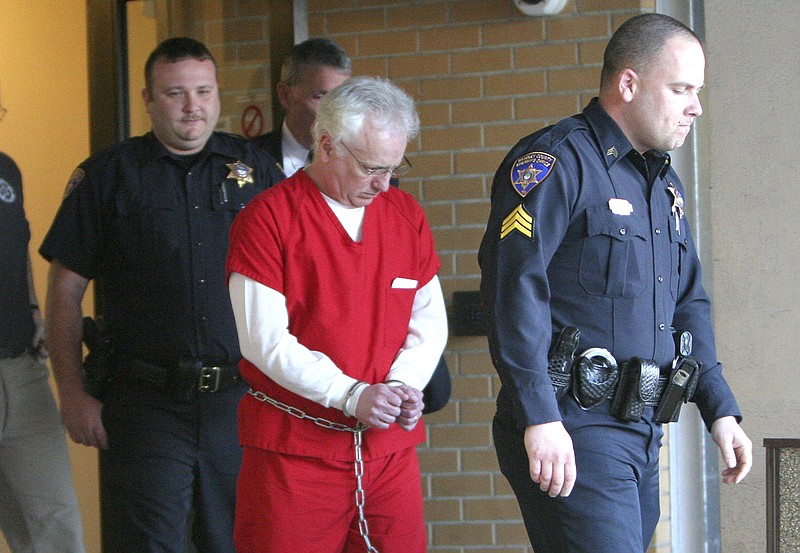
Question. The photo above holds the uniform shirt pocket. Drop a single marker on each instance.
(614, 255)
(147, 223)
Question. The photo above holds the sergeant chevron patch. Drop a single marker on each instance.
(519, 220)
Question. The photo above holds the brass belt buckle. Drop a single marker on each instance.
(209, 379)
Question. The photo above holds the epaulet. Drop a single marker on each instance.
(551, 137)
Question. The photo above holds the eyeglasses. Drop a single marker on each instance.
(398, 171)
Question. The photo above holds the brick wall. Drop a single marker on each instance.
(483, 75)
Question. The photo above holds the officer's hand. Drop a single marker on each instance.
(379, 405)
(80, 413)
(735, 447)
(411, 408)
(551, 458)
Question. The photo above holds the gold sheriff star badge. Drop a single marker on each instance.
(241, 173)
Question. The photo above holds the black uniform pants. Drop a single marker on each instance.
(167, 458)
(614, 506)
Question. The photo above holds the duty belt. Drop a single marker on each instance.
(183, 378)
(595, 376)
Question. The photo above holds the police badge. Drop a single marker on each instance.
(240, 172)
(677, 206)
(530, 170)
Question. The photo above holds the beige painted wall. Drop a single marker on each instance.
(43, 85)
(753, 79)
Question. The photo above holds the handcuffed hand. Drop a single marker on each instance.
(381, 405)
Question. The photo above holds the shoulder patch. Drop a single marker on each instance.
(530, 170)
(519, 220)
(7, 192)
(74, 180)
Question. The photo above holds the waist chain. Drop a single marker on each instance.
(358, 465)
(595, 376)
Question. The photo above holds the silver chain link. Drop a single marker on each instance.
(357, 431)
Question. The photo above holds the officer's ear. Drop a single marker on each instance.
(628, 83)
(283, 91)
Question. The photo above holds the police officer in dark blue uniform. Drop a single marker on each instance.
(587, 245)
(148, 219)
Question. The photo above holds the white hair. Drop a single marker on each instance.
(344, 110)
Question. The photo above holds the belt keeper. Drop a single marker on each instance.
(208, 380)
(350, 393)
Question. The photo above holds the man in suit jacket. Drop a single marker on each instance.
(312, 69)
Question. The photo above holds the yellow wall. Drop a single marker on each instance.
(43, 85)
(142, 39)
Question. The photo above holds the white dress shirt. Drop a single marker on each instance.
(295, 155)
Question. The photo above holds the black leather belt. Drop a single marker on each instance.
(662, 385)
(13, 353)
(185, 377)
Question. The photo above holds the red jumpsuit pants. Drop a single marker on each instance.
(288, 503)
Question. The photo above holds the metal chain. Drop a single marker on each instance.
(357, 431)
(363, 527)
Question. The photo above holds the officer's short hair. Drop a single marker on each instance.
(344, 110)
(173, 50)
(312, 53)
(639, 41)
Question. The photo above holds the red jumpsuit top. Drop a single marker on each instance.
(340, 301)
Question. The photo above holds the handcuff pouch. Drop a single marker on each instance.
(595, 375)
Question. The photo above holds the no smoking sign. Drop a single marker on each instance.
(252, 122)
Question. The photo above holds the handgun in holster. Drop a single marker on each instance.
(98, 360)
(561, 357)
(638, 387)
